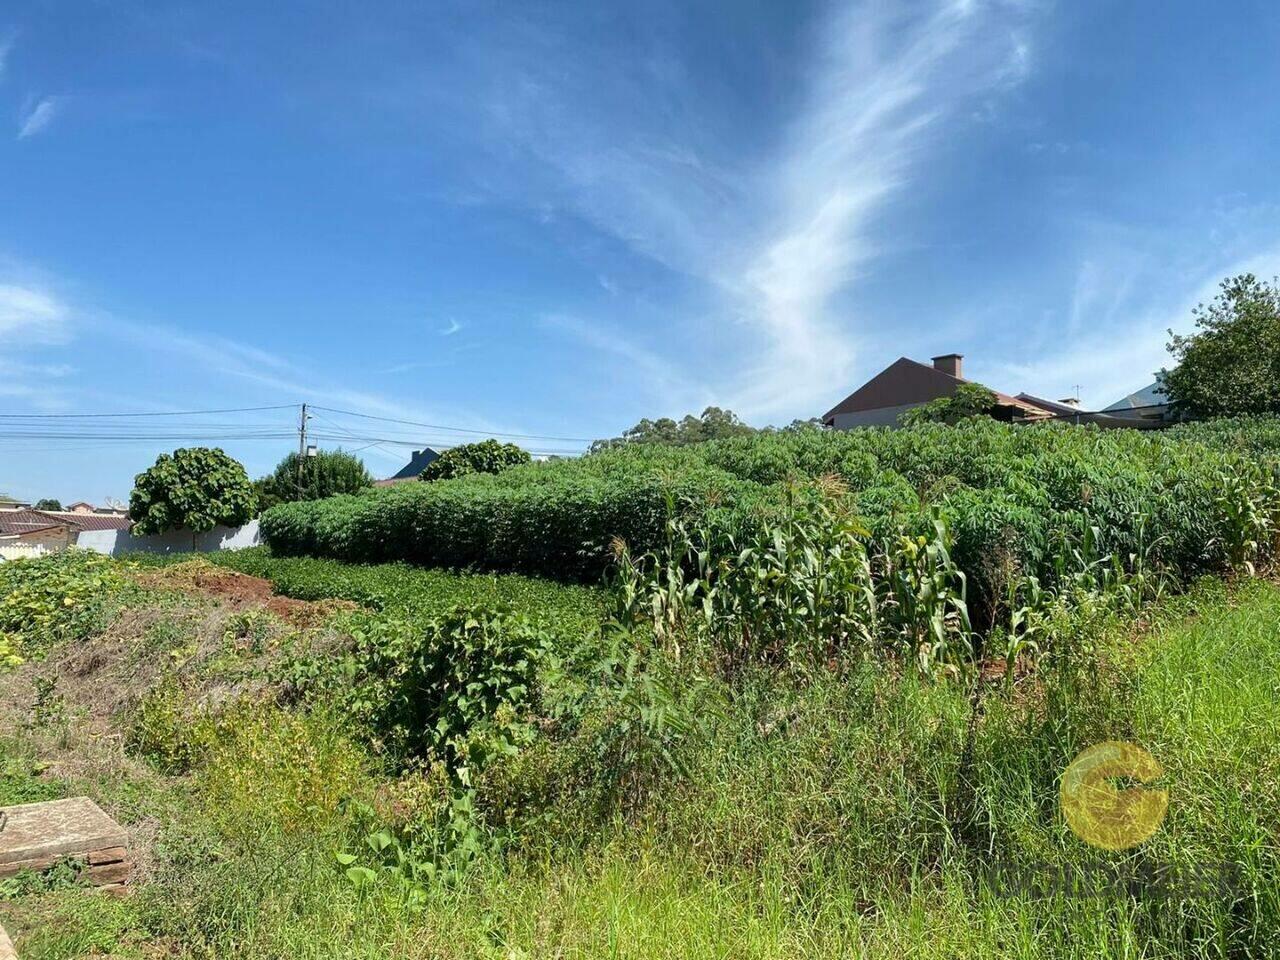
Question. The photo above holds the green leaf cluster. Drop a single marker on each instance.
(327, 473)
(486, 456)
(193, 488)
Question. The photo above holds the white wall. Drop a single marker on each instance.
(17, 550)
(119, 542)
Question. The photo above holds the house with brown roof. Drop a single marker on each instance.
(35, 530)
(907, 383)
(50, 530)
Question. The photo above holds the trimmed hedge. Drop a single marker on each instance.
(1011, 495)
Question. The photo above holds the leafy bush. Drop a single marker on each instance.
(486, 456)
(1008, 495)
(417, 593)
(325, 474)
(194, 488)
(453, 687)
(52, 599)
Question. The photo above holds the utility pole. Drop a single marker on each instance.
(302, 442)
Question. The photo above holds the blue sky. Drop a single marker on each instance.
(554, 219)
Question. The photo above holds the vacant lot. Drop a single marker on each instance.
(528, 777)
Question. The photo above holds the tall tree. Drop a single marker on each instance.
(48, 503)
(194, 488)
(714, 424)
(327, 474)
(1231, 365)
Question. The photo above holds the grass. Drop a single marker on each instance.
(854, 814)
(417, 592)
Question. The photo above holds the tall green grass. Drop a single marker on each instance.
(853, 814)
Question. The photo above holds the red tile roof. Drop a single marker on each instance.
(89, 521)
(17, 522)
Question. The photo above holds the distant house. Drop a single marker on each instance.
(35, 530)
(82, 507)
(410, 471)
(1149, 403)
(906, 384)
(7, 504)
(48, 531)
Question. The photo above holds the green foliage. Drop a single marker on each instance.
(194, 488)
(48, 504)
(969, 400)
(455, 687)
(327, 474)
(486, 456)
(52, 599)
(1010, 496)
(417, 593)
(163, 731)
(1231, 365)
(714, 424)
(552, 519)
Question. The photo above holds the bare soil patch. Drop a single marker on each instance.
(240, 590)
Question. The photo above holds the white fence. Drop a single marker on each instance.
(118, 542)
(16, 551)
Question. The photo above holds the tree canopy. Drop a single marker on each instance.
(486, 456)
(1231, 365)
(194, 488)
(969, 400)
(326, 474)
(48, 503)
(714, 424)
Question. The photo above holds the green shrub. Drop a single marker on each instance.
(1011, 495)
(455, 687)
(52, 599)
(486, 456)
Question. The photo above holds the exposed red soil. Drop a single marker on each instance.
(243, 590)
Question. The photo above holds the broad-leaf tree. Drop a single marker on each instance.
(487, 456)
(326, 474)
(714, 424)
(48, 503)
(193, 488)
(969, 400)
(1231, 365)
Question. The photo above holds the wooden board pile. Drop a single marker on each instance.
(36, 836)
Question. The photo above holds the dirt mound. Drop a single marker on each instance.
(241, 590)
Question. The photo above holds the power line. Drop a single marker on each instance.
(167, 413)
(436, 426)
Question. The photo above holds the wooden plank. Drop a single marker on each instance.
(109, 855)
(108, 873)
(6, 947)
(36, 831)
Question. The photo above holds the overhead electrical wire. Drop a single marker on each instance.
(448, 429)
(41, 432)
(166, 413)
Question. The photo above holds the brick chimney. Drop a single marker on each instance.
(949, 363)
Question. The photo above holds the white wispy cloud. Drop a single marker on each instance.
(32, 320)
(776, 239)
(453, 327)
(652, 373)
(1119, 324)
(881, 89)
(7, 41)
(30, 316)
(38, 117)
